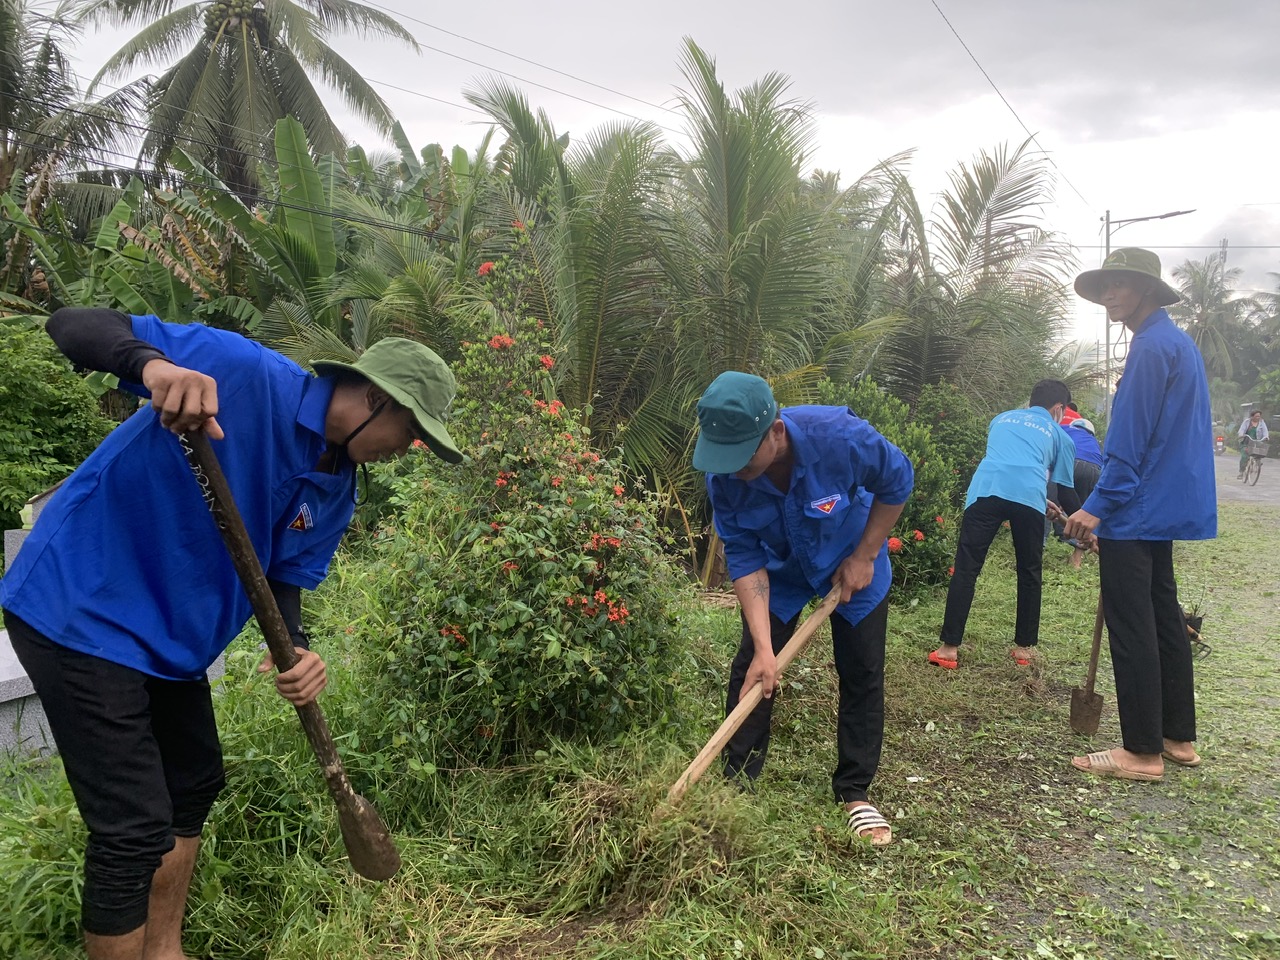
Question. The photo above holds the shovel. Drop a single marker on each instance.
(370, 848)
(1086, 706)
(749, 700)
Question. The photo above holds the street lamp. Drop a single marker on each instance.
(1110, 227)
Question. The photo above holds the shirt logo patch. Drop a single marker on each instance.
(826, 504)
(303, 521)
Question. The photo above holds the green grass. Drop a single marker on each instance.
(1001, 849)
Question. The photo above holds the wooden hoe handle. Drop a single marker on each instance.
(369, 846)
(750, 699)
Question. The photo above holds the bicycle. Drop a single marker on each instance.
(1256, 450)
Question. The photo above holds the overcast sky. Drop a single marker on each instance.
(1145, 106)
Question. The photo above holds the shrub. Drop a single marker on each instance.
(958, 427)
(921, 544)
(524, 593)
(49, 419)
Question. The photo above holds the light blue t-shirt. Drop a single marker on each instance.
(125, 562)
(1025, 450)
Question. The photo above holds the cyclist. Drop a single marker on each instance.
(1253, 427)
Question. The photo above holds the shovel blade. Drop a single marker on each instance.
(1086, 711)
(370, 849)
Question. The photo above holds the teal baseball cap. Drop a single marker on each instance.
(734, 414)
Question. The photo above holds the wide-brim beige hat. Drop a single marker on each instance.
(1132, 260)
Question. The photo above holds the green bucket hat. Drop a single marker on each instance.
(1132, 260)
(415, 377)
(733, 417)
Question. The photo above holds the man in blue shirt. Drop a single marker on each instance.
(1026, 451)
(1157, 484)
(803, 500)
(124, 593)
(1088, 466)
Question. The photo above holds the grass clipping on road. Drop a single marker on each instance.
(1001, 850)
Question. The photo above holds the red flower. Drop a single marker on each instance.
(617, 490)
(500, 341)
(517, 225)
(496, 526)
(419, 444)
(556, 481)
(510, 565)
(484, 268)
(895, 545)
(939, 521)
(951, 571)
(918, 536)
(546, 361)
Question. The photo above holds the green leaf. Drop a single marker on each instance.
(305, 208)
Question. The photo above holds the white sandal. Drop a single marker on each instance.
(864, 820)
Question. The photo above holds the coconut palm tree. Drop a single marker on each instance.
(1212, 313)
(246, 64)
(47, 128)
(973, 295)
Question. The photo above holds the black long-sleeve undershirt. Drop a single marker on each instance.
(97, 338)
(100, 339)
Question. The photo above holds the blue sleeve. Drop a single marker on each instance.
(880, 468)
(1135, 414)
(743, 551)
(1064, 461)
(232, 360)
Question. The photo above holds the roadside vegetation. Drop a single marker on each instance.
(526, 649)
(565, 849)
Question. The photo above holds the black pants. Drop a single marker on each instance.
(859, 657)
(1150, 649)
(143, 760)
(978, 528)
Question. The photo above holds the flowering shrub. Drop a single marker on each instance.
(526, 590)
(923, 545)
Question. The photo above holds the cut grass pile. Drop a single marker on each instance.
(1001, 850)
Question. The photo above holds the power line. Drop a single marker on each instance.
(516, 56)
(543, 86)
(1006, 102)
(1190, 246)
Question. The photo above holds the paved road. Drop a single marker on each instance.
(1231, 489)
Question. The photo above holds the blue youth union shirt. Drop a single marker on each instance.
(801, 536)
(1025, 450)
(1157, 480)
(1087, 447)
(125, 562)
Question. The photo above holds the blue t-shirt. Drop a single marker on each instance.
(1087, 448)
(802, 536)
(1157, 480)
(125, 562)
(1025, 451)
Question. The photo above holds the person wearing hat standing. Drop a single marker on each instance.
(124, 594)
(1156, 485)
(803, 499)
